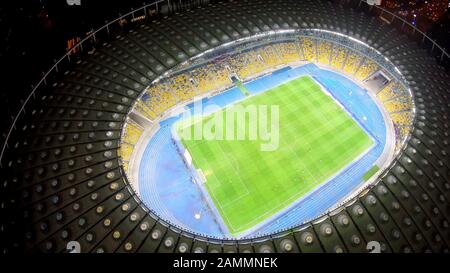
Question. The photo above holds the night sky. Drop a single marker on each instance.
(35, 33)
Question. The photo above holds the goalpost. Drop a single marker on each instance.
(187, 157)
(197, 174)
(200, 177)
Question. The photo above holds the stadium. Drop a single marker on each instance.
(111, 148)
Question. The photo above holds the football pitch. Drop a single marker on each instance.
(317, 139)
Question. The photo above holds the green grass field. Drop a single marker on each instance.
(317, 139)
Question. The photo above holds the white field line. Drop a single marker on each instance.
(295, 195)
(218, 203)
(300, 198)
(345, 109)
(288, 200)
(237, 174)
(216, 200)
